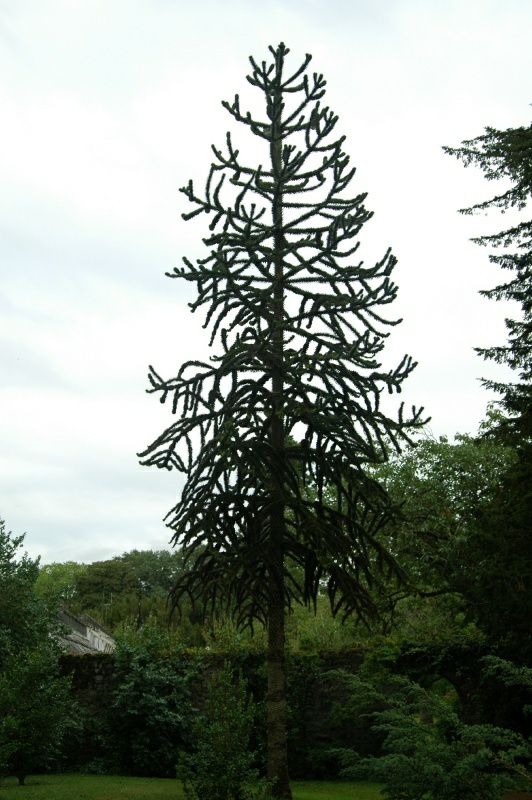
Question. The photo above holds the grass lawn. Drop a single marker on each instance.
(326, 790)
(95, 787)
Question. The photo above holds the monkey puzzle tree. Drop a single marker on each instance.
(275, 433)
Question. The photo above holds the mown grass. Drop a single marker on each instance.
(95, 787)
(326, 790)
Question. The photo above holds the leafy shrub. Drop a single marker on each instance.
(35, 707)
(221, 767)
(442, 760)
(151, 713)
(35, 712)
(511, 676)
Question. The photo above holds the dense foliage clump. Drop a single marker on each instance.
(151, 711)
(429, 753)
(35, 704)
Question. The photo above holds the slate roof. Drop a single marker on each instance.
(84, 634)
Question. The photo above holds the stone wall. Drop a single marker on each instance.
(317, 697)
(92, 691)
(312, 694)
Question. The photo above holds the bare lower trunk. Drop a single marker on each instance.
(276, 700)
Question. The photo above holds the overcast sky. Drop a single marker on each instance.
(107, 107)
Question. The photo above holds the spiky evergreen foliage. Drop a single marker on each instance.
(275, 434)
(508, 155)
(300, 326)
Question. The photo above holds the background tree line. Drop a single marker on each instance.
(450, 540)
(127, 589)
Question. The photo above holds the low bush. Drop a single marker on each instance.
(221, 767)
(151, 712)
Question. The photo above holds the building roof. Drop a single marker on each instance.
(84, 634)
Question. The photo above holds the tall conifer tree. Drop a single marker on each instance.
(505, 522)
(274, 435)
(507, 156)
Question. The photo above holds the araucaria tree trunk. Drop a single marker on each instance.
(276, 698)
(275, 433)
